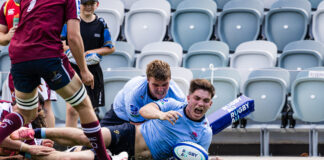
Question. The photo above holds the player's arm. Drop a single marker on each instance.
(152, 111)
(5, 35)
(77, 48)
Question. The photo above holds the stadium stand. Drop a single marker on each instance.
(112, 11)
(169, 52)
(147, 22)
(220, 4)
(128, 4)
(300, 55)
(174, 4)
(124, 56)
(317, 23)
(5, 64)
(287, 21)
(182, 76)
(240, 21)
(315, 3)
(193, 21)
(208, 52)
(253, 55)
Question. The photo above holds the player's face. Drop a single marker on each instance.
(198, 104)
(158, 89)
(88, 8)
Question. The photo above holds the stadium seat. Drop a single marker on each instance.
(123, 56)
(220, 4)
(201, 54)
(253, 55)
(193, 22)
(182, 77)
(147, 22)
(268, 88)
(59, 110)
(169, 52)
(227, 86)
(287, 21)
(240, 21)
(5, 64)
(268, 3)
(174, 4)
(112, 11)
(299, 55)
(307, 96)
(315, 3)
(318, 23)
(114, 81)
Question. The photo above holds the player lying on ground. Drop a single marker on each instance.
(172, 122)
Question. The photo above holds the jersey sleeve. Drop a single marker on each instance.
(2, 14)
(64, 32)
(107, 37)
(72, 9)
(167, 104)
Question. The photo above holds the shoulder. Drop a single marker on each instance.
(102, 22)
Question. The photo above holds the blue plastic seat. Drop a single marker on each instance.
(193, 22)
(253, 55)
(240, 21)
(124, 56)
(318, 23)
(169, 52)
(202, 54)
(287, 21)
(147, 22)
(114, 80)
(307, 96)
(302, 54)
(220, 4)
(112, 11)
(226, 82)
(182, 76)
(174, 3)
(315, 3)
(268, 88)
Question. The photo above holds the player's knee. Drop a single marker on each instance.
(27, 104)
(71, 111)
(77, 97)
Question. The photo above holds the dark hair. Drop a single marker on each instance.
(159, 70)
(201, 84)
(39, 122)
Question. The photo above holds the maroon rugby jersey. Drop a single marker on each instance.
(39, 29)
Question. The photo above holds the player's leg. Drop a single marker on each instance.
(60, 76)
(72, 116)
(56, 155)
(25, 82)
(49, 114)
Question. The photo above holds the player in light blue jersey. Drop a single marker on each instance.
(172, 122)
(140, 91)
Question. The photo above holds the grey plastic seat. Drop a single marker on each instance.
(240, 21)
(182, 76)
(253, 55)
(114, 80)
(128, 3)
(287, 21)
(193, 22)
(112, 11)
(307, 96)
(124, 56)
(227, 86)
(202, 54)
(318, 23)
(147, 22)
(169, 52)
(268, 88)
(268, 4)
(302, 54)
(5, 64)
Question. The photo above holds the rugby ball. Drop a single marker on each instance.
(189, 151)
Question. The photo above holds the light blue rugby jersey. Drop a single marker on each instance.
(160, 136)
(135, 95)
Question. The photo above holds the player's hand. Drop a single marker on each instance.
(87, 78)
(39, 150)
(171, 116)
(12, 31)
(47, 143)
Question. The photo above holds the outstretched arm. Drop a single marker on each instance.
(152, 111)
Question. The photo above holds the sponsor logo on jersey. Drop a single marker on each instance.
(11, 11)
(134, 111)
(194, 135)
